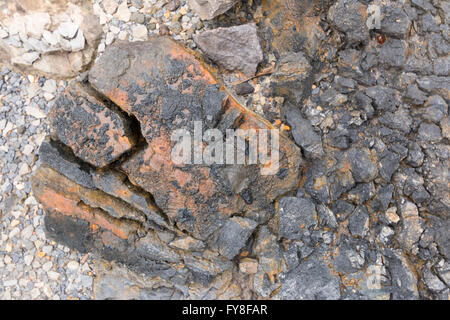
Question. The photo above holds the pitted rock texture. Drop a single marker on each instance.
(127, 200)
(359, 210)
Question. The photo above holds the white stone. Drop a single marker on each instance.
(3, 34)
(123, 13)
(110, 6)
(50, 37)
(52, 275)
(78, 42)
(73, 266)
(373, 17)
(49, 86)
(101, 47)
(28, 259)
(48, 96)
(33, 90)
(114, 29)
(109, 38)
(36, 23)
(140, 33)
(34, 111)
(26, 59)
(123, 35)
(47, 266)
(24, 169)
(27, 150)
(27, 232)
(14, 232)
(10, 283)
(68, 29)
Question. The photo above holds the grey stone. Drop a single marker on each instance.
(363, 167)
(429, 132)
(209, 9)
(415, 95)
(388, 164)
(395, 22)
(351, 256)
(442, 66)
(244, 88)
(292, 77)
(333, 98)
(384, 98)
(233, 236)
(436, 109)
(304, 134)
(403, 279)
(234, 48)
(435, 85)
(383, 198)
(432, 281)
(342, 209)
(311, 280)
(342, 15)
(295, 217)
(393, 53)
(153, 248)
(51, 155)
(359, 222)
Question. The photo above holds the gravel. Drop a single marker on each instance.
(31, 266)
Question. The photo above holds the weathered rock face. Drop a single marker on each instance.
(109, 185)
(208, 9)
(54, 38)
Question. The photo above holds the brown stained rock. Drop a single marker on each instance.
(95, 133)
(52, 189)
(166, 88)
(293, 25)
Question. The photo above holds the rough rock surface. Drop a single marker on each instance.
(139, 218)
(234, 48)
(363, 96)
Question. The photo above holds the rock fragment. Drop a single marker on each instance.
(349, 16)
(95, 133)
(234, 48)
(209, 9)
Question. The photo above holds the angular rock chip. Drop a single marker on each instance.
(209, 9)
(295, 215)
(166, 88)
(234, 48)
(311, 280)
(349, 16)
(95, 133)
